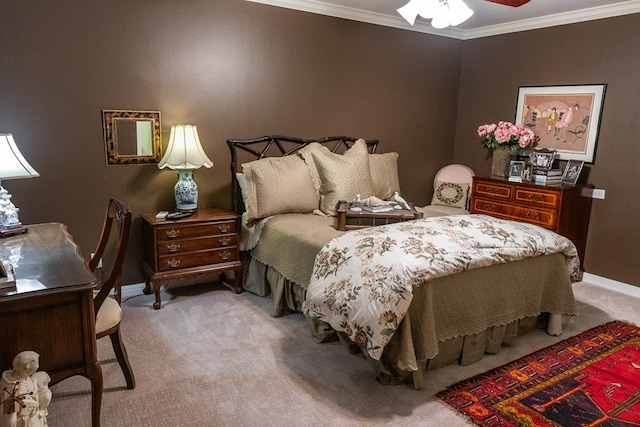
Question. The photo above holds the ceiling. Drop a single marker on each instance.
(488, 18)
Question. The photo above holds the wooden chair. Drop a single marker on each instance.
(107, 308)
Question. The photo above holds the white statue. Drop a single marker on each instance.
(25, 393)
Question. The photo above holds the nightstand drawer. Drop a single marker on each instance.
(197, 243)
(492, 190)
(197, 259)
(541, 217)
(178, 231)
(545, 199)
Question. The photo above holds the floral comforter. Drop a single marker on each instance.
(362, 281)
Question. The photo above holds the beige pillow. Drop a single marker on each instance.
(305, 153)
(278, 185)
(242, 183)
(451, 194)
(384, 173)
(343, 176)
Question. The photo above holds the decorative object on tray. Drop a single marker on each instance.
(567, 118)
(12, 165)
(588, 379)
(505, 139)
(185, 154)
(25, 392)
(572, 171)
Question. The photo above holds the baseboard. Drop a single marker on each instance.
(610, 284)
(129, 291)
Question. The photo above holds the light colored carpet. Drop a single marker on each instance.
(210, 357)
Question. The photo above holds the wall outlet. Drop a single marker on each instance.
(598, 194)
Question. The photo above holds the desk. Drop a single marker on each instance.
(51, 312)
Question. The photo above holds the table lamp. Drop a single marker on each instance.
(12, 166)
(184, 154)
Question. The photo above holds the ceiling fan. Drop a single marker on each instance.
(513, 3)
(445, 12)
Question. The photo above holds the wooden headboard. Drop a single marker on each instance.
(278, 146)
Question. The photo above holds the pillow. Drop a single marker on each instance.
(343, 176)
(384, 174)
(451, 194)
(305, 153)
(242, 183)
(278, 185)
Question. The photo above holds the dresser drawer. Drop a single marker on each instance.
(542, 217)
(196, 259)
(178, 231)
(197, 244)
(493, 190)
(547, 199)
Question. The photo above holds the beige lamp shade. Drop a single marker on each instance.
(184, 150)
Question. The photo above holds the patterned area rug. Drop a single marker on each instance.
(591, 379)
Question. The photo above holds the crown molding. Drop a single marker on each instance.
(590, 14)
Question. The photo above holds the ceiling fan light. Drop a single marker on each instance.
(458, 12)
(429, 8)
(410, 11)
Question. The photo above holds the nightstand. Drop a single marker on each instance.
(204, 243)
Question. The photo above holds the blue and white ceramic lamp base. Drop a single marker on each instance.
(186, 191)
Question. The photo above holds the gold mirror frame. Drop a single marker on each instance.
(124, 147)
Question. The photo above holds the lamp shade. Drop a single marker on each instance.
(12, 164)
(184, 150)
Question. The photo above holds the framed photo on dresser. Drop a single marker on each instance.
(572, 171)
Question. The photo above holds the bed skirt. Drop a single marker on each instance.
(411, 351)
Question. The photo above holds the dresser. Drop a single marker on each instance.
(562, 208)
(206, 242)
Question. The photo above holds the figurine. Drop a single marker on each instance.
(25, 393)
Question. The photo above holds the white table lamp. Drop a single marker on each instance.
(184, 154)
(12, 166)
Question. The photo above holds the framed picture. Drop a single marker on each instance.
(565, 118)
(516, 170)
(542, 159)
(572, 171)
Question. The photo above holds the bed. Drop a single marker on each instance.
(287, 188)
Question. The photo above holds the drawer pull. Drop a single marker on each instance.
(532, 215)
(224, 228)
(225, 255)
(174, 263)
(224, 241)
(489, 207)
(535, 197)
(173, 247)
(172, 234)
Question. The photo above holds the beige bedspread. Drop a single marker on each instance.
(290, 243)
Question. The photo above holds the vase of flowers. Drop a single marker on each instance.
(505, 139)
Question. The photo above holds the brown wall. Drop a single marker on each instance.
(238, 70)
(604, 51)
(233, 68)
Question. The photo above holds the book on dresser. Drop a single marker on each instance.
(551, 176)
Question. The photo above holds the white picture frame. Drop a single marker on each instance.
(565, 118)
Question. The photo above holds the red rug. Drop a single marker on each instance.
(591, 379)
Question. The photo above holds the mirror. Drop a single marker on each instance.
(132, 137)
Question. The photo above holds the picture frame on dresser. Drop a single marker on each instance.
(572, 171)
(542, 159)
(516, 170)
(565, 118)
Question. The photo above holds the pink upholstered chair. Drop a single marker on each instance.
(452, 174)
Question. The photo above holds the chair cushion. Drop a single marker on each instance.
(109, 315)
